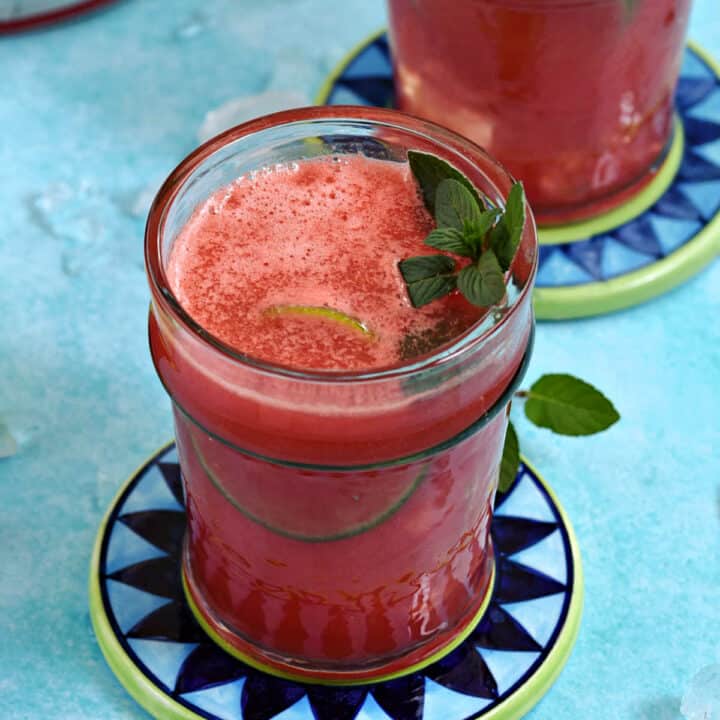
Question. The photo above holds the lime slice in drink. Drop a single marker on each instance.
(311, 506)
(320, 311)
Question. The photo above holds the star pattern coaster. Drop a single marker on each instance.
(159, 652)
(659, 239)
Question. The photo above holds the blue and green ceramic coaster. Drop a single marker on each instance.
(163, 658)
(658, 239)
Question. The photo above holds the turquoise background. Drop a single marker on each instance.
(93, 115)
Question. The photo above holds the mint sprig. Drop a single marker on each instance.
(467, 227)
(565, 405)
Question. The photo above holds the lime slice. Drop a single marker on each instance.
(298, 506)
(320, 311)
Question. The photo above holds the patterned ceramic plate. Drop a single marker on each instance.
(660, 238)
(159, 652)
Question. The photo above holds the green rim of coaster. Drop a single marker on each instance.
(145, 692)
(330, 81)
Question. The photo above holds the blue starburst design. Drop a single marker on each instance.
(140, 580)
(688, 204)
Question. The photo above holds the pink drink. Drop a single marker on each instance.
(339, 478)
(327, 233)
(575, 97)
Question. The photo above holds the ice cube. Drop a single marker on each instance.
(701, 700)
(240, 110)
(87, 222)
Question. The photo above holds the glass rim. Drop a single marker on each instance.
(436, 135)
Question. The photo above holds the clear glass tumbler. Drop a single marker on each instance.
(338, 523)
(575, 97)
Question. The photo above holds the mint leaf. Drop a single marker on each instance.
(505, 236)
(450, 240)
(428, 277)
(569, 406)
(510, 463)
(455, 205)
(483, 282)
(425, 266)
(424, 291)
(475, 231)
(430, 171)
(514, 215)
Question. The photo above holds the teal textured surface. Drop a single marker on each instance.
(93, 115)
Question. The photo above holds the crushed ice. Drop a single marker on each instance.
(242, 109)
(85, 220)
(701, 700)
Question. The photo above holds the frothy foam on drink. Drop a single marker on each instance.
(325, 233)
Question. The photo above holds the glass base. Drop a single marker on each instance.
(612, 210)
(302, 670)
(166, 661)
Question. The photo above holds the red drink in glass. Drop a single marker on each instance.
(339, 502)
(575, 97)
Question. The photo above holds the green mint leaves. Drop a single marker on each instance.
(505, 236)
(428, 277)
(430, 171)
(450, 240)
(482, 282)
(489, 237)
(569, 406)
(510, 459)
(564, 404)
(455, 206)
